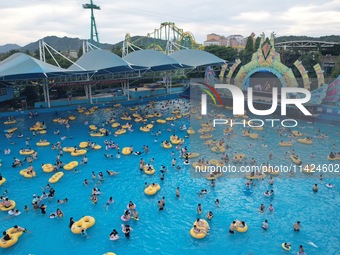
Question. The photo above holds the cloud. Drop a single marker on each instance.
(24, 21)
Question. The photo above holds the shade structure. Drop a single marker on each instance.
(196, 58)
(152, 59)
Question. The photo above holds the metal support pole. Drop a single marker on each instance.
(44, 90)
(90, 93)
(86, 91)
(170, 83)
(48, 95)
(128, 90)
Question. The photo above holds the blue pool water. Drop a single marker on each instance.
(167, 232)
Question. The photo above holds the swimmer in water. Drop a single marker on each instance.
(178, 194)
(199, 209)
(297, 226)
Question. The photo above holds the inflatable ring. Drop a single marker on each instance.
(126, 151)
(68, 149)
(115, 124)
(14, 238)
(161, 121)
(239, 157)
(2, 181)
(335, 158)
(296, 133)
(93, 127)
(11, 130)
(97, 134)
(26, 152)
(240, 229)
(295, 159)
(71, 165)
(152, 189)
(328, 185)
(84, 223)
(191, 155)
(206, 136)
(285, 248)
(56, 177)
(204, 229)
(285, 144)
(10, 122)
(47, 168)
(79, 152)
(166, 146)
(253, 135)
(144, 129)
(43, 143)
(3, 208)
(27, 175)
(120, 132)
(147, 171)
(305, 141)
(190, 131)
(83, 145)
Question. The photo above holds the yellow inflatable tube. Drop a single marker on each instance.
(152, 171)
(83, 145)
(79, 152)
(285, 144)
(71, 165)
(84, 223)
(2, 181)
(240, 229)
(305, 141)
(26, 175)
(47, 168)
(56, 177)
(14, 238)
(203, 229)
(126, 151)
(152, 189)
(13, 204)
(43, 143)
(68, 149)
(120, 132)
(166, 146)
(26, 152)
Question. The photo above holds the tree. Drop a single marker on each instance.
(117, 50)
(257, 43)
(80, 52)
(336, 69)
(30, 93)
(249, 45)
(223, 52)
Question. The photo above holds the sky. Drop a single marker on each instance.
(25, 21)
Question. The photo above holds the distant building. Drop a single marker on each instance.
(214, 39)
(235, 41)
(73, 54)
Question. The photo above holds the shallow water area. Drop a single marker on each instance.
(165, 232)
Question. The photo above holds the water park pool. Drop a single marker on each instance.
(167, 231)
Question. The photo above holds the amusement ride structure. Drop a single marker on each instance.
(167, 38)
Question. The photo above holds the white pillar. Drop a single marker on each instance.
(128, 90)
(90, 93)
(48, 95)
